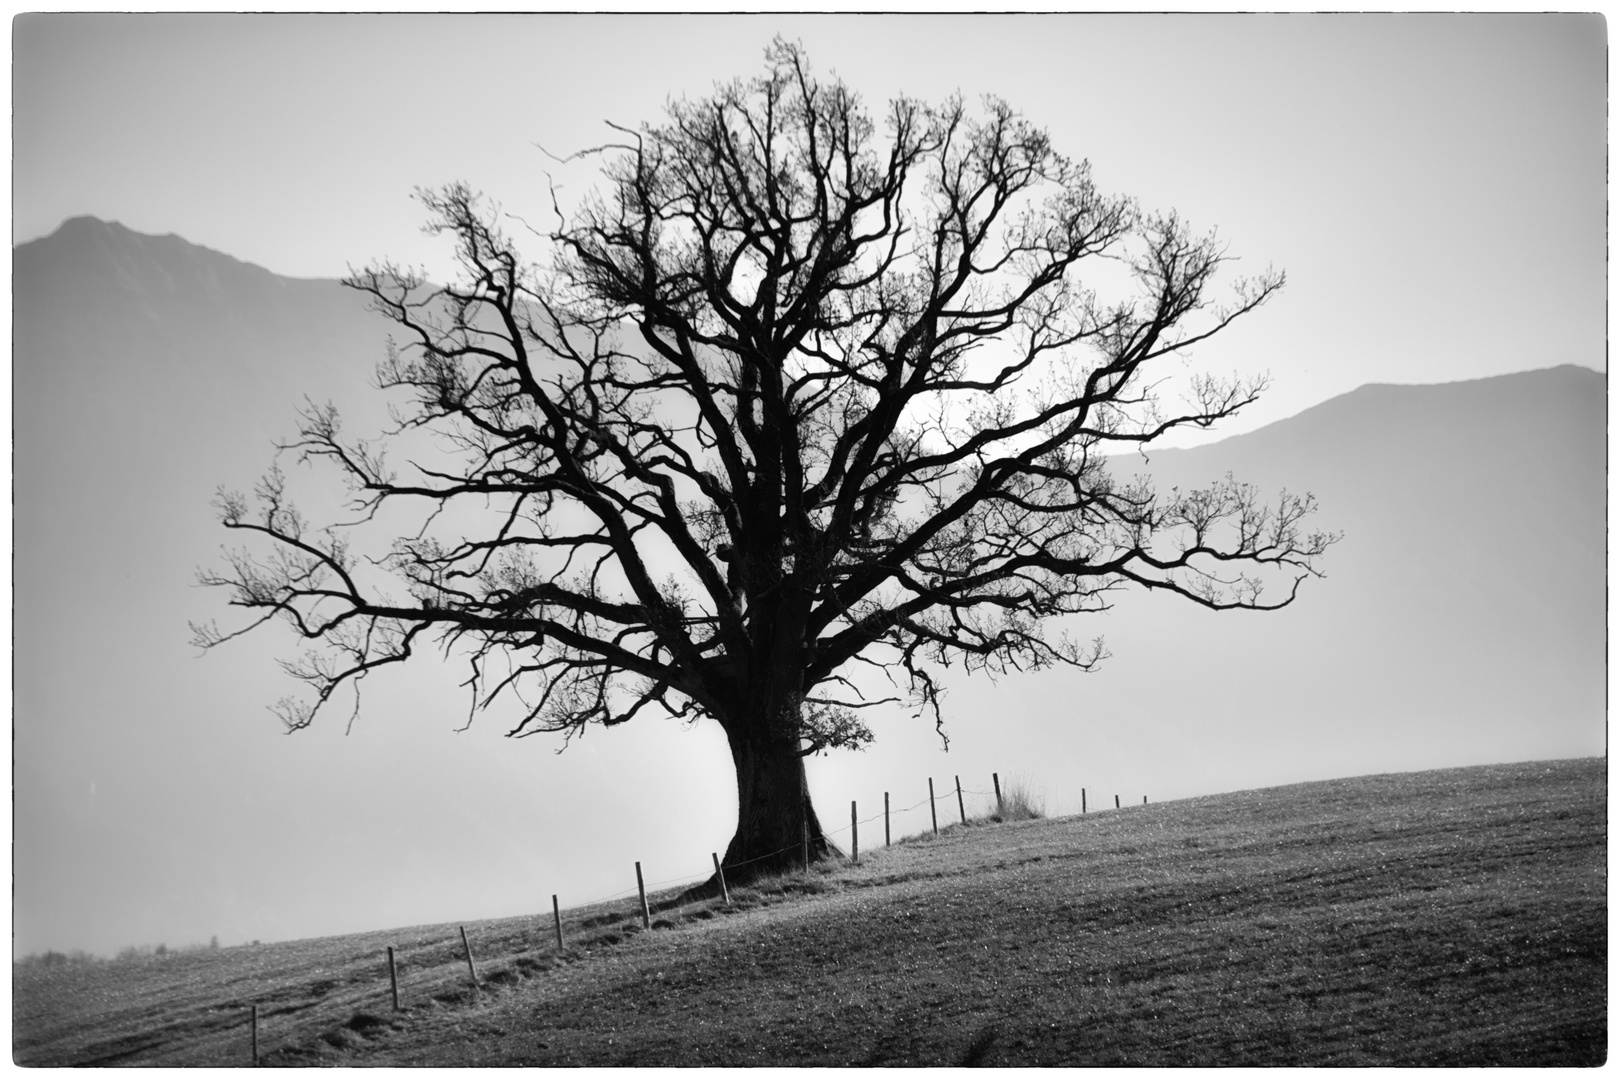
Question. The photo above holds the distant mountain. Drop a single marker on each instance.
(1500, 481)
(147, 370)
(1493, 489)
(100, 308)
(1462, 618)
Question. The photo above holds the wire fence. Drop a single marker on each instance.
(642, 887)
(889, 812)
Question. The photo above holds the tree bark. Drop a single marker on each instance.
(773, 809)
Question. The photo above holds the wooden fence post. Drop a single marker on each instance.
(646, 915)
(854, 835)
(804, 841)
(885, 819)
(725, 893)
(393, 978)
(1116, 802)
(932, 813)
(995, 779)
(472, 969)
(1144, 800)
(1082, 800)
(960, 808)
(556, 920)
(255, 1018)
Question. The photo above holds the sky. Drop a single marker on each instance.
(1434, 186)
(1402, 169)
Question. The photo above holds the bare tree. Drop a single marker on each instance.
(793, 406)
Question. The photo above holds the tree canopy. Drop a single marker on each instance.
(796, 397)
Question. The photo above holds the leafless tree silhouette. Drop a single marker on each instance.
(791, 400)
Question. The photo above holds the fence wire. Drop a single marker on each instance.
(694, 878)
(889, 812)
(703, 875)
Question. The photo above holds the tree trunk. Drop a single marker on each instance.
(774, 811)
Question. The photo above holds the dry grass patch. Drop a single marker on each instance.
(1019, 802)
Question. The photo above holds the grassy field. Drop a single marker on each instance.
(1442, 918)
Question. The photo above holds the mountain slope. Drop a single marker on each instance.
(101, 307)
(1462, 616)
(147, 371)
(160, 353)
(1459, 464)
(1488, 496)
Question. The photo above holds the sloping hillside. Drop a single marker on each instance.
(146, 371)
(1492, 486)
(1445, 918)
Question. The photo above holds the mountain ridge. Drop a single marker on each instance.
(84, 230)
(84, 235)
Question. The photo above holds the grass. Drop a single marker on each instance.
(1018, 802)
(1446, 918)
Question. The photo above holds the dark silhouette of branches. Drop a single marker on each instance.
(796, 391)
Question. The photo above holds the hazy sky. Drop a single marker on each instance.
(1434, 187)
